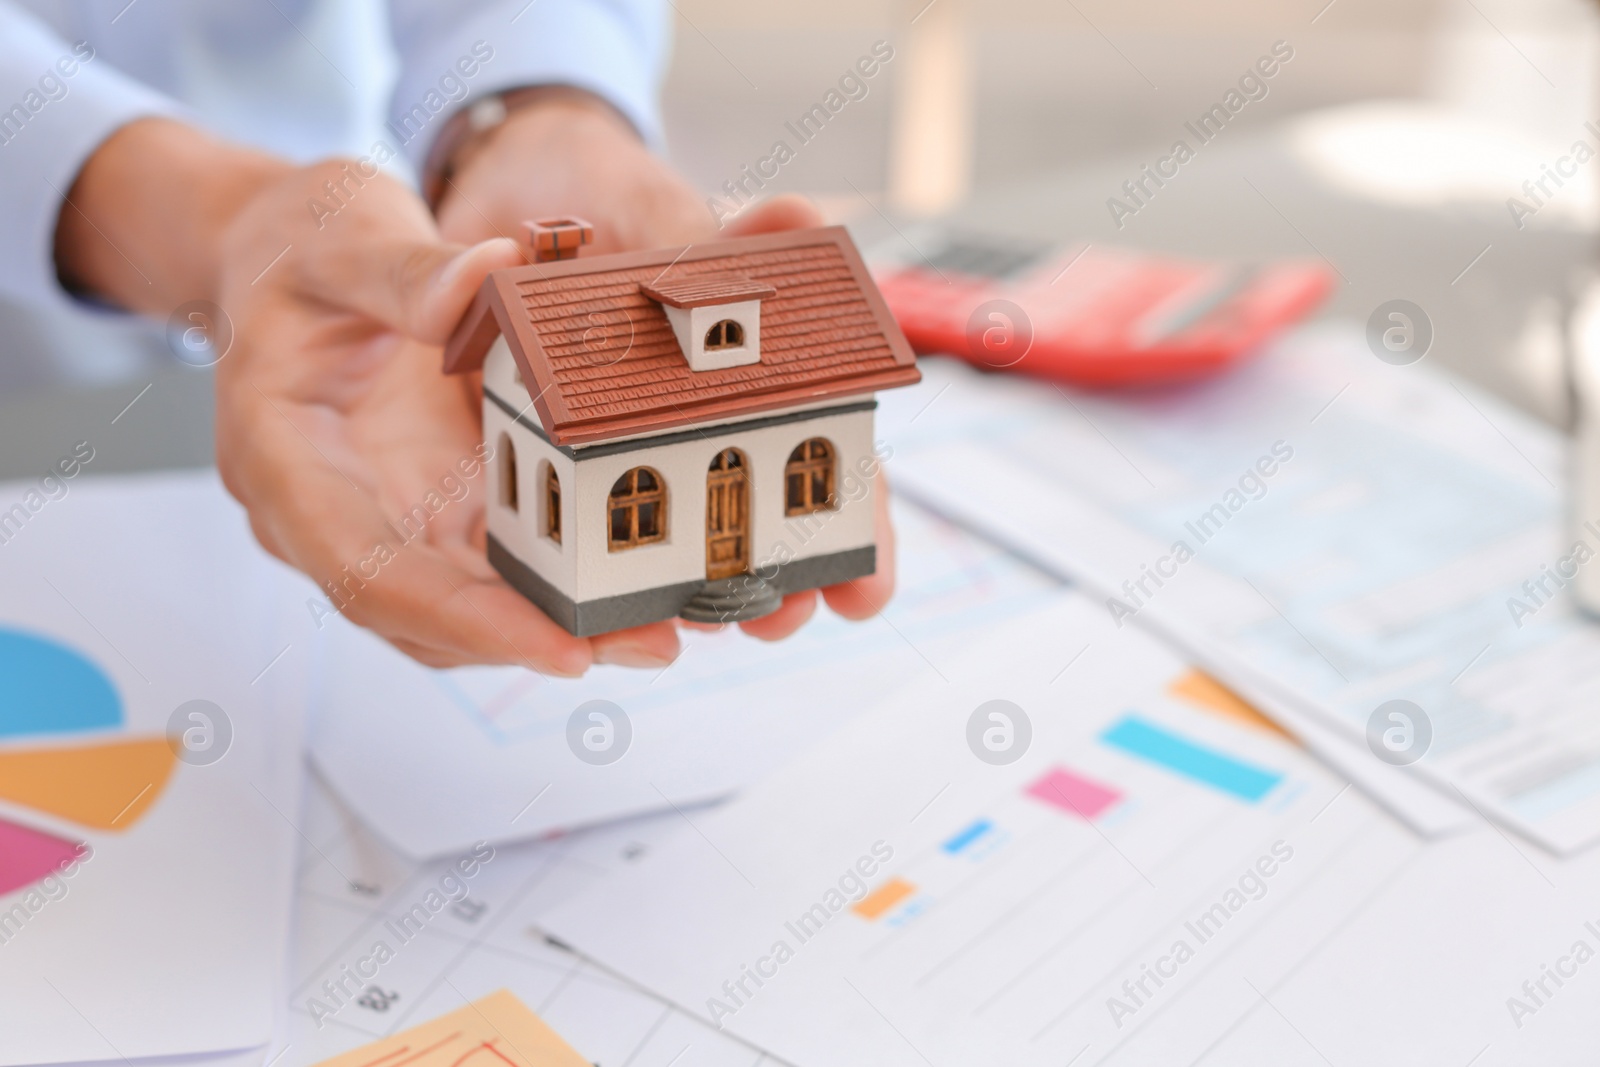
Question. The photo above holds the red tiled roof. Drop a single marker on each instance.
(601, 361)
(693, 291)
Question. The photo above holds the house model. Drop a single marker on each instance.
(685, 432)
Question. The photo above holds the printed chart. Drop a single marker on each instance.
(1062, 792)
(985, 908)
(1126, 859)
(145, 854)
(59, 756)
(1156, 880)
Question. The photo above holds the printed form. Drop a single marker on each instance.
(1329, 533)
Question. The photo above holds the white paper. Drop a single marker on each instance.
(1028, 528)
(353, 891)
(1354, 942)
(168, 940)
(1382, 561)
(436, 760)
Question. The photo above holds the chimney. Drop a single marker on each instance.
(554, 239)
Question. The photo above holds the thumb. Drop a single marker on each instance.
(787, 211)
(417, 288)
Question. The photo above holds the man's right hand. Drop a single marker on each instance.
(334, 420)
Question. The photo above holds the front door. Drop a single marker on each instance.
(727, 516)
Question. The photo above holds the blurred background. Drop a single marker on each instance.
(1389, 145)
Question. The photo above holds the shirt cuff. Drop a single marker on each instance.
(612, 48)
(58, 103)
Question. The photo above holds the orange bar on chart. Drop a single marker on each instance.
(107, 786)
(883, 898)
(1206, 693)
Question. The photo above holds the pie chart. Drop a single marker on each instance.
(63, 754)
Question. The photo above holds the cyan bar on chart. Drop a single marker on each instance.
(1144, 739)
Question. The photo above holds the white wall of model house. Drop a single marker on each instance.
(582, 566)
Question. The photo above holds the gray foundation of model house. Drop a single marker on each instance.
(589, 617)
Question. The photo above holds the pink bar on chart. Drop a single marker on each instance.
(1073, 793)
(26, 856)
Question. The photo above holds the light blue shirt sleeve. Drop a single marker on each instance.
(616, 49)
(58, 102)
(60, 98)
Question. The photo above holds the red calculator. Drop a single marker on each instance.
(1097, 315)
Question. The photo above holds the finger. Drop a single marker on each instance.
(797, 609)
(420, 288)
(655, 645)
(428, 656)
(790, 211)
(420, 598)
(509, 630)
(405, 591)
(863, 598)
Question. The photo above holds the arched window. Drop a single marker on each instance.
(638, 510)
(507, 473)
(724, 334)
(808, 478)
(552, 503)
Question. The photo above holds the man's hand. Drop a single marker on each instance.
(571, 154)
(334, 421)
(357, 458)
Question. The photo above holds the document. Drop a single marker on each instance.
(1152, 880)
(437, 760)
(150, 772)
(383, 943)
(1328, 532)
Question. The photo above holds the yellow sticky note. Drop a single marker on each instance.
(497, 1031)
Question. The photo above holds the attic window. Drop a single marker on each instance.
(715, 317)
(725, 334)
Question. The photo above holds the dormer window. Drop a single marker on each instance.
(715, 317)
(725, 334)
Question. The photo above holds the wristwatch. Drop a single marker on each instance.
(476, 121)
(467, 125)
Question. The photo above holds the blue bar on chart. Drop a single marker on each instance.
(967, 836)
(1142, 738)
